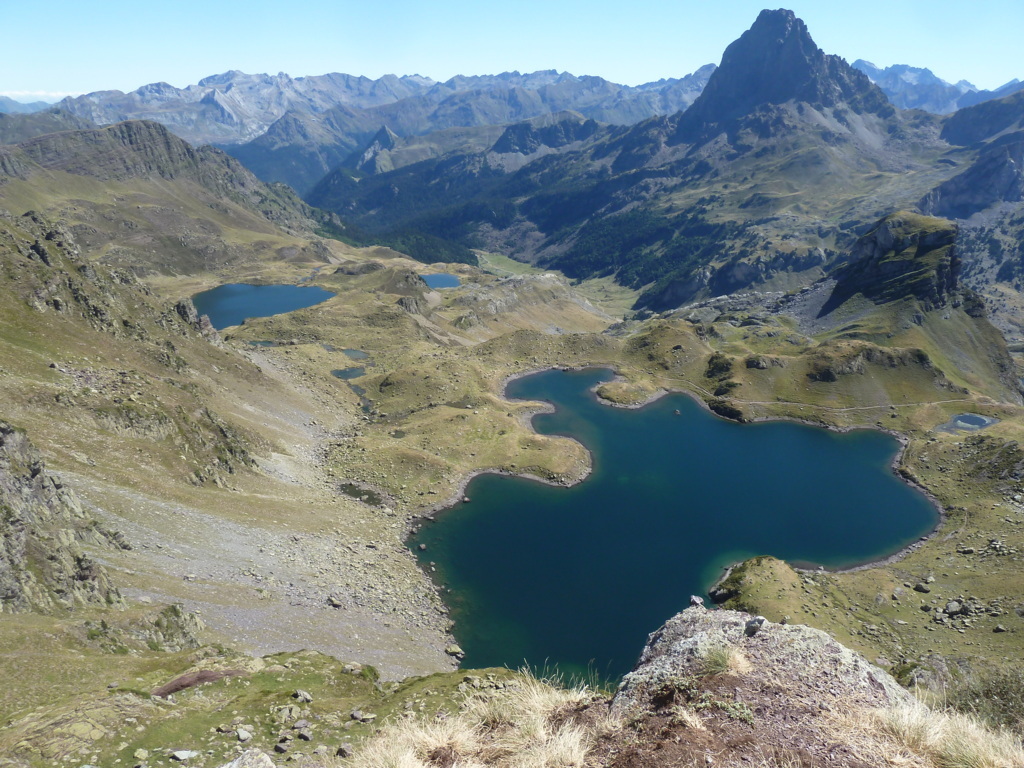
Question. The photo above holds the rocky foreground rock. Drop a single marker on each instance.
(742, 688)
(819, 673)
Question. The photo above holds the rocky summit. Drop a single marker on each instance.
(774, 62)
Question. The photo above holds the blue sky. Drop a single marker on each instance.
(59, 47)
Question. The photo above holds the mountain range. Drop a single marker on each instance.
(787, 155)
(296, 130)
(919, 88)
(10, 106)
(725, 179)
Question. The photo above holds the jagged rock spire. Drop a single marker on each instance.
(776, 61)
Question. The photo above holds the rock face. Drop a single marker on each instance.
(774, 62)
(904, 255)
(997, 176)
(42, 565)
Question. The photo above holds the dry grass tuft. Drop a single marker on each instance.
(529, 725)
(915, 735)
(723, 659)
(687, 718)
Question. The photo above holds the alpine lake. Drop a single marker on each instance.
(231, 304)
(575, 578)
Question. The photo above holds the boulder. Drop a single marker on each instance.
(252, 758)
(805, 666)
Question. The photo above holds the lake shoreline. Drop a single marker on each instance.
(894, 466)
(432, 512)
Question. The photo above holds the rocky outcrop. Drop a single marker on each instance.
(251, 758)
(517, 293)
(809, 664)
(42, 564)
(528, 137)
(740, 687)
(905, 255)
(187, 311)
(375, 156)
(996, 176)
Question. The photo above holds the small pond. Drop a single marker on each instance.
(967, 422)
(442, 280)
(231, 304)
(578, 577)
(349, 373)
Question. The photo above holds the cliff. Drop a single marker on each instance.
(42, 564)
(905, 255)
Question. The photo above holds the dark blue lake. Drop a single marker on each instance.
(442, 280)
(578, 577)
(230, 304)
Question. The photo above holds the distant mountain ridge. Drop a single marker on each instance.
(17, 127)
(190, 207)
(235, 107)
(296, 130)
(919, 88)
(13, 107)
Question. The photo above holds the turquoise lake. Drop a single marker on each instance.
(231, 304)
(576, 578)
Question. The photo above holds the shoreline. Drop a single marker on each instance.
(430, 513)
(526, 419)
(894, 466)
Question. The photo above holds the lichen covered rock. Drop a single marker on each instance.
(42, 565)
(817, 673)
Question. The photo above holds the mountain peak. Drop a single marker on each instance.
(776, 61)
